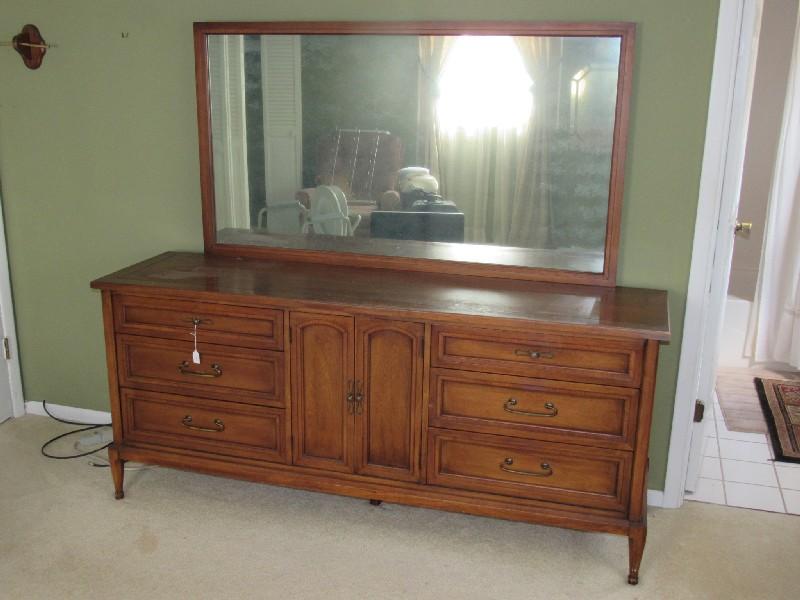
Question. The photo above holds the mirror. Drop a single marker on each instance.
(492, 148)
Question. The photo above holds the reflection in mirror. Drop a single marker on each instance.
(384, 144)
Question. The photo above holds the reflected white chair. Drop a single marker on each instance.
(328, 214)
(281, 218)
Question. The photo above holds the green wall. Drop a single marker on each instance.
(99, 167)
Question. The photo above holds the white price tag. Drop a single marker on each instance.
(195, 353)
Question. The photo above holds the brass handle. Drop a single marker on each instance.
(350, 398)
(545, 472)
(533, 353)
(187, 422)
(184, 367)
(512, 402)
(358, 407)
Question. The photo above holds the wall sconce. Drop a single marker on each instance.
(31, 46)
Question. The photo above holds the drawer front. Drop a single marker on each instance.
(225, 373)
(562, 473)
(203, 424)
(243, 326)
(550, 356)
(522, 407)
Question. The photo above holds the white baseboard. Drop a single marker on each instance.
(70, 413)
(655, 498)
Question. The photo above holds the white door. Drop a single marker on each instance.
(11, 404)
(6, 399)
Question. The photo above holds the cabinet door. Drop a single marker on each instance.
(322, 374)
(389, 418)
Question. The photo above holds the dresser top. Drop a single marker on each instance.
(630, 312)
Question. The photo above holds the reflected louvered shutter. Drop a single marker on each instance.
(280, 64)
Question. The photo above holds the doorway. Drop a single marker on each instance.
(730, 459)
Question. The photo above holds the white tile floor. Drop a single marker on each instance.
(738, 470)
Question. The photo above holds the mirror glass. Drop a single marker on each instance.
(487, 149)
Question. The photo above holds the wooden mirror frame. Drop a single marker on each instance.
(429, 262)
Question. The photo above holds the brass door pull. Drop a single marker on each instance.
(351, 410)
(546, 471)
(187, 422)
(512, 402)
(184, 367)
(533, 353)
(358, 406)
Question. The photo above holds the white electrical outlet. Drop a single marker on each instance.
(94, 439)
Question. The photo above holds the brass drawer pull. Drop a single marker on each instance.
(533, 353)
(545, 472)
(187, 422)
(512, 402)
(184, 367)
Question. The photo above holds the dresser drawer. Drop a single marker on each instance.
(225, 372)
(244, 326)
(538, 408)
(203, 424)
(562, 473)
(611, 361)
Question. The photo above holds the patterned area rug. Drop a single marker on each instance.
(780, 400)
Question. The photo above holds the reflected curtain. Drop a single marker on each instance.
(774, 331)
(229, 130)
(476, 169)
(433, 52)
(529, 223)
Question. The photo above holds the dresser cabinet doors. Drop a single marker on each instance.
(322, 377)
(357, 394)
(389, 418)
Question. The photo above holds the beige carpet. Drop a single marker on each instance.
(738, 398)
(182, 535)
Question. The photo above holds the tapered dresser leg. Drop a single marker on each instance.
(637, 535)
(376, 502)
(117, 471)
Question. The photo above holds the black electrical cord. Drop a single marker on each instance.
(84, 427)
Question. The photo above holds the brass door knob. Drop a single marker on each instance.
(742, 227)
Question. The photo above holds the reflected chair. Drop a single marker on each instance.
(363, 163)
(328, 213)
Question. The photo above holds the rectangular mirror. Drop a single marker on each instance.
(497, 148)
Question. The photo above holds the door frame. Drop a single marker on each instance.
(9, 325)
(720, 185)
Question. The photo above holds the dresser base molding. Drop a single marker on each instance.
(514, 400)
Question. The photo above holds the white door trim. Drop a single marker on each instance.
(9, 326)
(720, 184)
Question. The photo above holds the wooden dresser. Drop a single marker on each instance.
(511, 399)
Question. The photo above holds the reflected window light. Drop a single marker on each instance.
(484, 85)
(578, 84)
(577, 89)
